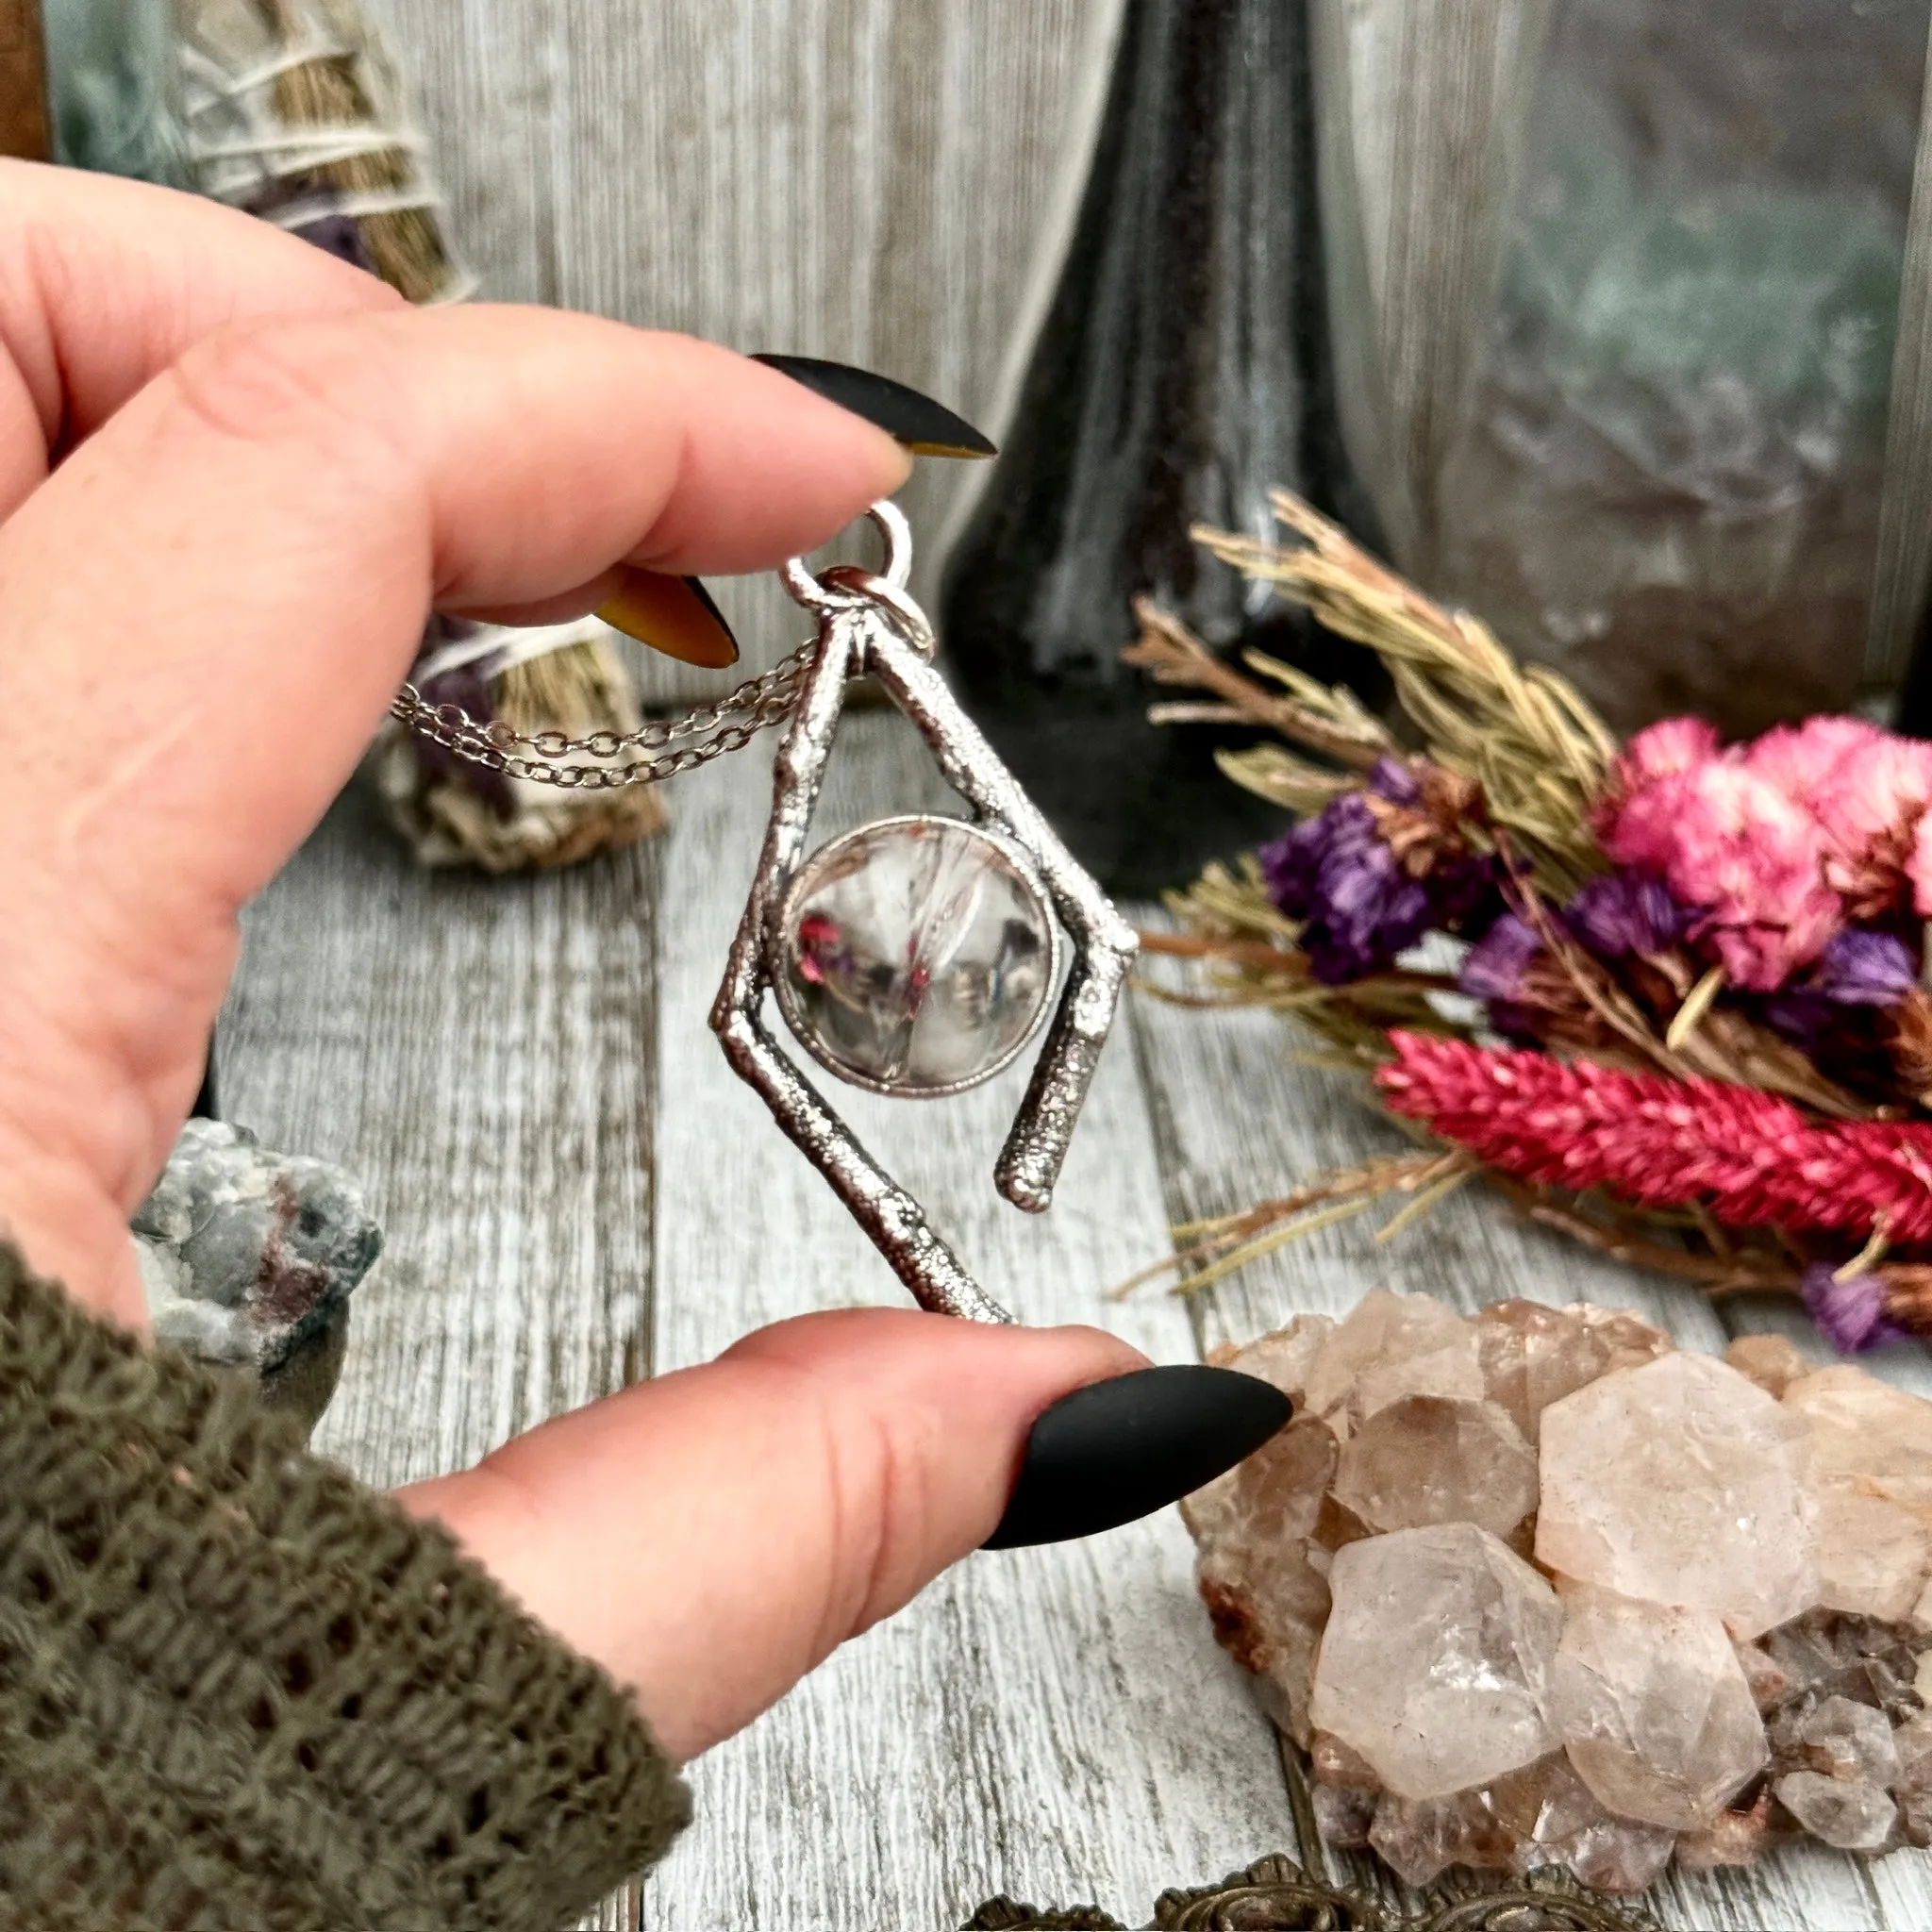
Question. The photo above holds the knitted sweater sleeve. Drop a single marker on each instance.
(240, 1690)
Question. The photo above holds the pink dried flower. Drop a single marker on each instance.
(1919, 868)
(1802, 758)
(1665, 750)
(1867, 788)
(1749, 1158)
(1749, 857)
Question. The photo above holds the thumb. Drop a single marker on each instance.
(711, 1536)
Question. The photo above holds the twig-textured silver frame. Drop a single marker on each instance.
(868, 626)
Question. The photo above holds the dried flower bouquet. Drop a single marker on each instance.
(1665, 995)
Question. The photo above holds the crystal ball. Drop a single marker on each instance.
(915, 956)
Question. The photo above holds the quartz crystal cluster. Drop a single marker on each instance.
(1536, 1588)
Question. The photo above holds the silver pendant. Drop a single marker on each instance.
(917, 956)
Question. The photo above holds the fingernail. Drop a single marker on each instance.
(675, 615)
(1124, 1448)
(205, 1107)
(925, 427)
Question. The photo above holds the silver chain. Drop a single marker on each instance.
(733, 721)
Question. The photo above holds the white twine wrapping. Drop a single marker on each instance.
(238, 145)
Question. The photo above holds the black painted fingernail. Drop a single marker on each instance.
(1124, 1448)
(925, 427)
(205, 1105)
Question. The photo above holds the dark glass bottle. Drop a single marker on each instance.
(1184, 367)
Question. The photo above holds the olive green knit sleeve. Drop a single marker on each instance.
(240, 1690)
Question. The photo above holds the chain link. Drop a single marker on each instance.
(732, 723)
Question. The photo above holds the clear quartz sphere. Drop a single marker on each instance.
(915, 956)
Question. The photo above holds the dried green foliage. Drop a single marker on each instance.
(1543, 761)
(1524, 734)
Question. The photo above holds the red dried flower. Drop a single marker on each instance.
(1751, 1158)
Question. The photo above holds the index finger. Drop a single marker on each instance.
(206, 608)
(104, 283)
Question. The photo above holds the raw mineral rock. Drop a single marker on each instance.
(1269, 1617)
(1855, 1817)
(1825, 1654)
(1553, 1818)
(1344, 1815)
(1268, 1605)
(1872, 1555)
(1867, 1434)
(1768, 1680)
(249, 1257)
(1435, 1662)
(1532, 1355)
(1334, 1763)
(1273, 1498)
(1850, 1741)
(1725, 1635)
(1732, 1837)
(1392, 1345)
(1654, 1708)
(1282, 1357)
(1912, 1741)
(1420, 1838)
(1430, 1458)
(1680, 1482)
(1771, 1361)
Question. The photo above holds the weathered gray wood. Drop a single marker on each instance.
(478, 1052)
(862, 179)
(1055, 1722)
(875, 180)
(1238, 1121)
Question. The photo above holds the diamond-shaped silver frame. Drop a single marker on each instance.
(866, 625)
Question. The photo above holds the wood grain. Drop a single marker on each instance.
(867, 180)
(1054, 1724)
(478, 1053)
(505, 1062)
(1236, 1121)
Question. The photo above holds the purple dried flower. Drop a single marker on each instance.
(1392, 779)
(1336, 874)
(1466, 894)
(1626, 912)
(1495, 964)
(1850, 1314)
(1865, 969)
(341, 236)
(1856, 969)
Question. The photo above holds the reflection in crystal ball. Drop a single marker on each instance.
(916, 955)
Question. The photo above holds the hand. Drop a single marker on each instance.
(236, 476)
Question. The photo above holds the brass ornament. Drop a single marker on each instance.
(1275, 1894)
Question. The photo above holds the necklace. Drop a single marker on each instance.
(916, 957)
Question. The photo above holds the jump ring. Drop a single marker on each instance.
(815, 593)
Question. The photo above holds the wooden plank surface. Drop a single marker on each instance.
(499, 1060)
(1236, 1121)
(506, 1062)
(1055, 1723)
(478, 1053)
(869, 180)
